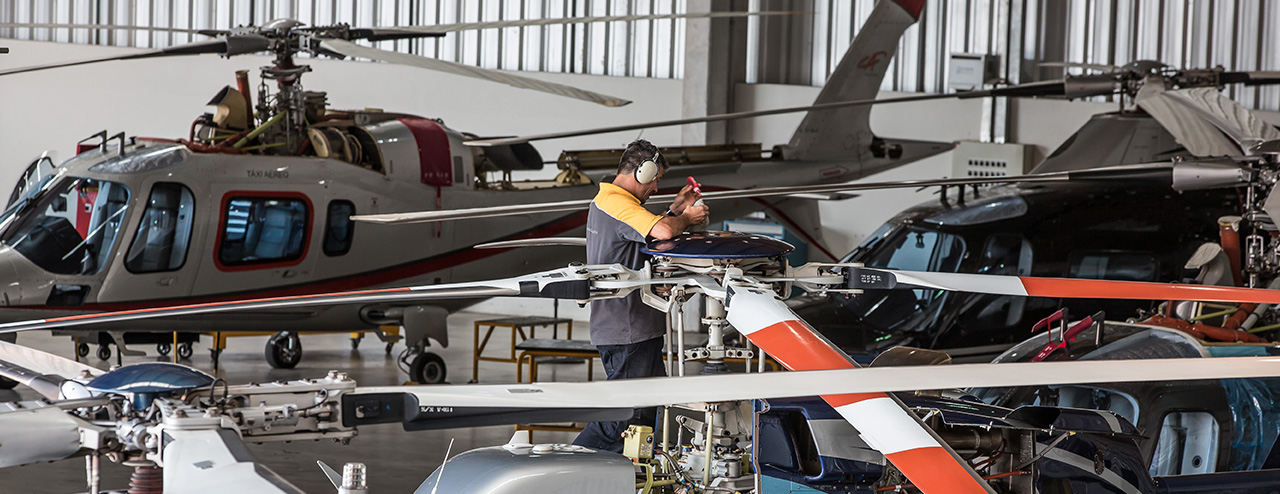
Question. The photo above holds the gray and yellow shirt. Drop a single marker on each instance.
(616, 229)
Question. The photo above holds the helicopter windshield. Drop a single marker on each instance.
(909, 249)
(70, 227)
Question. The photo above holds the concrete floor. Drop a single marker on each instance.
(397, 461)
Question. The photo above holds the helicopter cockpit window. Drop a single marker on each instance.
(71, 227)
(165, 231)
(908, 249)
(1111, 265)
(1004, 254)
(143, 160)
(33, 180)
(338, 228)
(261, 230)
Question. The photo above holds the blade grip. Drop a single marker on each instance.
(458, 417)
(866, 279)
(569, 290)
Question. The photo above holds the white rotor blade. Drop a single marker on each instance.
(43, 362)
(558, 283)
(468, 26)
(882, 420)
(535, 242)
(351, 49)
(41, 434)
(216, 461)
(44, 373)
(1181, 176)
(639, 393)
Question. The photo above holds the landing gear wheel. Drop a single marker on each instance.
(82, 349)
(163, 349)
(104, 352)
(427, 368)
(284, 350)
(184, 351)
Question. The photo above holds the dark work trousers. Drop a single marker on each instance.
(643, 359)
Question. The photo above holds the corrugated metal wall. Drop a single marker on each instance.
(1236, 34)
(639, 48)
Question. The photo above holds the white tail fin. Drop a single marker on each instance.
(844, 133)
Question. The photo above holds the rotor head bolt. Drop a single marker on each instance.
(575, 264)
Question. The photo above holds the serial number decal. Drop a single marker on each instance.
(434, 409)
(870, 278)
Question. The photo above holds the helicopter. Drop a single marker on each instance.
(1117, 230)
(748, 282)
(257, 199)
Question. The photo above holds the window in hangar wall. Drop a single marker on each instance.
(1235, 35)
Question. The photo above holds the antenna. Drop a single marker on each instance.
(442, 465)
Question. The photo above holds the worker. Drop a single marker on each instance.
(627, 332)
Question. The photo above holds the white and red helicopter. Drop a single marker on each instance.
(172, 417)
(256, 200)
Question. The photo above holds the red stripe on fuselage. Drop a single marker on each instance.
(384, 276)
(228, 302)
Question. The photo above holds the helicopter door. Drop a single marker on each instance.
(156, 263)
(262, 241)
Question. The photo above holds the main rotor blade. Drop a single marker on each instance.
(440, 407)
(212, 461)
(559, 283)
(95, 27)
(43, 372)
(504, 141)
(535, 242)
(882, 420)
(36, 435)
(1079, 87)
(353, 50)
(43, 362)
(1026, 286)
(236, 45)
(469, 26)
(1181, 176)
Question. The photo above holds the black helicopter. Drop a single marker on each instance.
(1119, 230)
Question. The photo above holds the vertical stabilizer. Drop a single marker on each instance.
(845, 133)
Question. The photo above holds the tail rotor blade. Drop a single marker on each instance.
(882, 420)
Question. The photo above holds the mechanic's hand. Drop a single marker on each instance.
(696, 215)
(684, 198)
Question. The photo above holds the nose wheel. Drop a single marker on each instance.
(284, 350)
(424, 367)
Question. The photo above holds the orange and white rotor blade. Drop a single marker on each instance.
(882, 420)
(1027, 286)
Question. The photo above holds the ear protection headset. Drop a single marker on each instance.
(648, 170)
